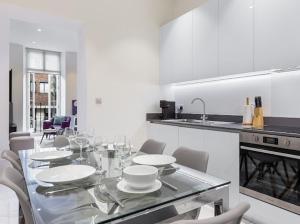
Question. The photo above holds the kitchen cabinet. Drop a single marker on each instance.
(205, 40)
(276, 34)
(226, 37)
(164, 133)
(235, 37)
(176, 50)
(223, 149)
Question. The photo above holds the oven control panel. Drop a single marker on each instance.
(270, 140)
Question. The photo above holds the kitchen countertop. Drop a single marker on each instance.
(236, 127)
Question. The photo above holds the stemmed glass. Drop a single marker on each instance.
(81, 140)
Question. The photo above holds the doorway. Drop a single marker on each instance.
(43, 99)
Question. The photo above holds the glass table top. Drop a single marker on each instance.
(90, 201)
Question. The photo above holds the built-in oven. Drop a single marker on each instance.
(270, 169)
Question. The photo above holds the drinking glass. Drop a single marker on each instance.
(81, 140)
(98, 151)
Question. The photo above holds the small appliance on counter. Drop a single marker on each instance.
(168, 109)
(258, 119)
(248, 114)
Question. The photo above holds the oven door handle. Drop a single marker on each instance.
(270, 152)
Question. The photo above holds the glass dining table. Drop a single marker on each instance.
(95, 199)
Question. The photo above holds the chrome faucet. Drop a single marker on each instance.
(204, 117)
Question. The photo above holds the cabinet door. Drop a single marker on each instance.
(166, 134)
(223, 149)
(191, 138)
(235, 36)
(165, 57)
(277, 34)
(205, 40)
(176, 50)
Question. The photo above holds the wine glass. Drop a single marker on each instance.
(81, 140)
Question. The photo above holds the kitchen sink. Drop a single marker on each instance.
(199, 122)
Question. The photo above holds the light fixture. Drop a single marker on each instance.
(33, 42)
(39, 30)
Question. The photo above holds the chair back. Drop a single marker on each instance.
(153, 147)
(233, 216)
(15, 181)
(194, 159)
(18, 134)
(21, 143)
(61, 141)
(13, 158)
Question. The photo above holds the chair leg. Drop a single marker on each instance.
(42, 138)
(218, 205)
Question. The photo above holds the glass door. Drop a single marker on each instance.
(43, 99)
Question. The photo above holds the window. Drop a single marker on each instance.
(44, 87)
(52, 62)
(35, 60)
(39, 60)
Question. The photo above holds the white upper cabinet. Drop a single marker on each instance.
(226, 37)
(176, 50)
(205, 40)
(277, 34)
(235, 36)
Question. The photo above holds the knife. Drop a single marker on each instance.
(70, 189)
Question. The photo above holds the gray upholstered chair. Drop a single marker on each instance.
(61, 141)
(153, 147)
(13, 158)
(15, 181)
(21, 143)
(18, 134)
(194, 159)
(233, 216)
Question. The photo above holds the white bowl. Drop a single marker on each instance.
(140, 176)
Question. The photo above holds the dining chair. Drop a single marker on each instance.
(21, 143)
(61, 141)
(15, 181)
(18, 134)
(191, 158)
(233, 216)
(153, 147)
(13, 158)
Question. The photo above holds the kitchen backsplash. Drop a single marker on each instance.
(280, 94)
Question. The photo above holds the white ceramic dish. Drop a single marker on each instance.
(154, 160)
(65, 174)
(124, 187)
(50, 155)
(140, 176)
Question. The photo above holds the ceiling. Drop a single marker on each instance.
(43, 37)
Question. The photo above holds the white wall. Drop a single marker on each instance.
(279, 93)
(71, 80)
(4, 80)
(17, 66)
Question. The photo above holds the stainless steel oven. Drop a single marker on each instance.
(270, 169)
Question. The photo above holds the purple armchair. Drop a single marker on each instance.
(57, 122)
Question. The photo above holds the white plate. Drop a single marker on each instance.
(154, 160)
(123, 186)
(50, 155)
(65, 174)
